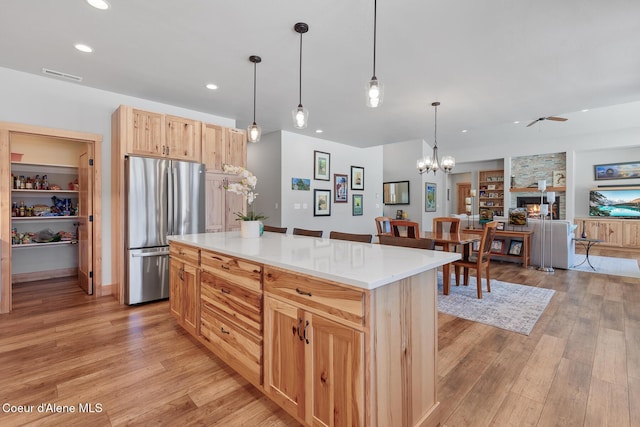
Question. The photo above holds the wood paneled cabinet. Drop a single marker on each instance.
(184, 278)
(314, 367)
(222, 205)
(608, 230)
(222, 146)
(160, 135)
(631, 234)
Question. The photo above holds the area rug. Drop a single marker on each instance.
(508, 306)
(608, 265)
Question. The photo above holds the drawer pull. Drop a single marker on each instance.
(217, 257)
(223, 331)
(225, 291)
(224, 267)
(301, 292)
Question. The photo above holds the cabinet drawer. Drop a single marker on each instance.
(236, 270)
(232, 344)
(328, 297)
(185, 253)
(239, 304)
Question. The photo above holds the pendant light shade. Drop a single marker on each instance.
(433, 163)
(300, 114)
(253, 131)
(374, 90)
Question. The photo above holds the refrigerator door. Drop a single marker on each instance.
(186, 198)
(146, 181)
(148, 275)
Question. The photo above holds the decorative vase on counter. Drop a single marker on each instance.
(250, 229)
(584, 231)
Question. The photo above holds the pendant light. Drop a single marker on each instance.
(254, 131)
(432, 163)
(300, 115)
(374, 89)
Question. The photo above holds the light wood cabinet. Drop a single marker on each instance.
(222, 146)
(222, 205)
(607, 230)
(631, 234)
(147, 133)
(184, 275)
(182, 139)
(491, 192)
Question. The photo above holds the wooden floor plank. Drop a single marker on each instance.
(608, 405)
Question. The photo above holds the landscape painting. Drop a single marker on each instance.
(619, 202)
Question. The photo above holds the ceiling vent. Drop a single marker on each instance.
(62, 75)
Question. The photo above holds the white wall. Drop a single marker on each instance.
(297, 160)
(400, 165)
(44, 101)
(264, 160)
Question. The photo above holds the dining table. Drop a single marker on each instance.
(449, 242)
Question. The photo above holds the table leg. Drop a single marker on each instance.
(446, 273)
(587, 257)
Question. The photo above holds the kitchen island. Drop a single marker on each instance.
(335, 332)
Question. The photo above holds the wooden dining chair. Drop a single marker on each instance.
(482, 261)
(303, 232)
(272, 229)
(413, 228)
(365, 238)
(445, 224)
(383, 225)
(407, 243)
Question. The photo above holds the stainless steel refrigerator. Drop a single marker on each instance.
(164, 197)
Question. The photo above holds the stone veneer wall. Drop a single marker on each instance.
(528, 170)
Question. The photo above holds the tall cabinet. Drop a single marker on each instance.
(50, 204)
(491, 193)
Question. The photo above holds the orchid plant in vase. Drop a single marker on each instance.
(246, 187)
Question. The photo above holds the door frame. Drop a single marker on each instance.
(94, 142)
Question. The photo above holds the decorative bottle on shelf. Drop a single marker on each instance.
(584, 231)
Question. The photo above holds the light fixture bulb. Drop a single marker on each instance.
(300, 117)
(375, 90)
(253, 132)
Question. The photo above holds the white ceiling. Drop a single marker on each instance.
(488, 62)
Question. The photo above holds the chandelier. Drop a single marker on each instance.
(432, 163)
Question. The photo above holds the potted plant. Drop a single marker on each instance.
(251, 225)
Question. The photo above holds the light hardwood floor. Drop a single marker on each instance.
(580, 366)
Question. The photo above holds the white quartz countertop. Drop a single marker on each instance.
(365, 265)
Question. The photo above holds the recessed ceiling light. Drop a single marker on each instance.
(585, 110)
(516, 122)
(99, 4)
(83, 48)
(211, 86)
(319, 131)
(464, 131)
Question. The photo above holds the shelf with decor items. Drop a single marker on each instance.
(491, 191)
(509, 252)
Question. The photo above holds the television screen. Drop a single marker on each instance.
(615, 202)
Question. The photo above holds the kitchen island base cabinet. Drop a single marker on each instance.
(183, 294)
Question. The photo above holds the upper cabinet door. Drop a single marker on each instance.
(236, 148)
(147, 133)
(182, 139)
(213, 146)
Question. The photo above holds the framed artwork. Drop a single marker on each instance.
(357, 178)
(340, 188)
(517, 216)
(321, 166)
(559, 178)
(500, 225)
(617, 171)
(356, 209)
(430, 197)
(321, 202)
(301, 184)
(491, 187)
(486, 215)
(515, 247)
(497, 246)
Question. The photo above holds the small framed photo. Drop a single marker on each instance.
(357, 178)
(491, 187)
(301, 184)
(497, 246)
(321, 166)
(517, 216)
(321, 202)
(559, 178)
(340, 188)
(430, 196)
(356, 209)
(490, 204)
(500, 226)
(486, 215)
(515, 247)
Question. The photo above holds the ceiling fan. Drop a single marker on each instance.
(554, 118)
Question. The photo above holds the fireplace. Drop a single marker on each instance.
(532, 203)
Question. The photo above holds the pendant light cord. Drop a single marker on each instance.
(254, 92)
(435, 129)
(300, 86)
(375, 20)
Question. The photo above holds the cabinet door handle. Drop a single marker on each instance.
(306, 339)
(224, 267)
(301, 292)
(181, 274)
(225, 291)
(299, 324)
(224, 331)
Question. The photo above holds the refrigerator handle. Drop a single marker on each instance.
(169, 202)
(174, 201)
